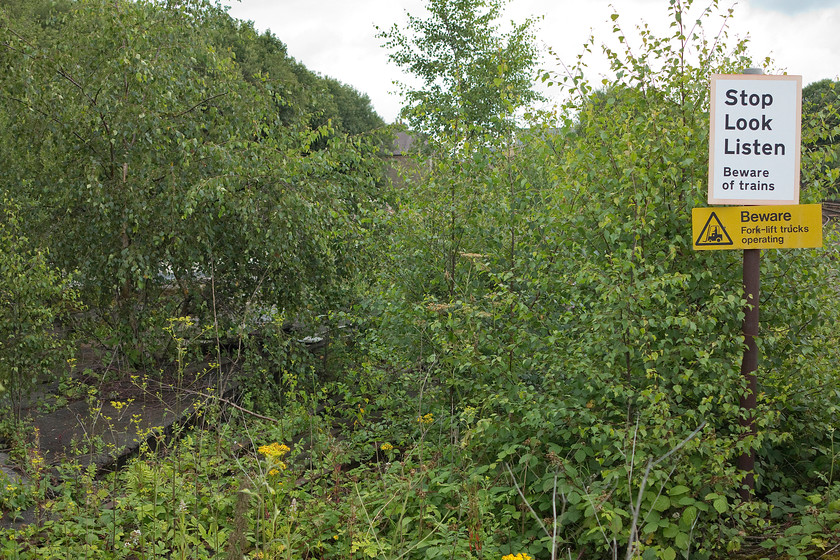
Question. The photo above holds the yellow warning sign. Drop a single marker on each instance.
(757, 227)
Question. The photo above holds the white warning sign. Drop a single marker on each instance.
(755, 132)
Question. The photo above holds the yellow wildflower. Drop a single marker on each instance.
(119, 405)
(519, 556)
(186, 321)
(274, 450)
(37, 459)
(386, 447)
(426, 418)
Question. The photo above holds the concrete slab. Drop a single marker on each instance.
(105, 431)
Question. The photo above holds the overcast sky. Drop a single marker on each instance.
(337, 38)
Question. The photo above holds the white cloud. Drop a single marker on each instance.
(795, 6)
(805, 43)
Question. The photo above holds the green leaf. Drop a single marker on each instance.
(720, 504)
(670, 531)
(650, 528)
(678, 490)
(688, 516)
(662, 503)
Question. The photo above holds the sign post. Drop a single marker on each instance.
(749, 366)
(754, 155)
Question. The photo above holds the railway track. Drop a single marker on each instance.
(830, 210)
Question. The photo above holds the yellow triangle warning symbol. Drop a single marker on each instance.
(713, 233)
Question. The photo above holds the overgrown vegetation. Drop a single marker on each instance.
(33, 297)
(160, 149)
(521, 356)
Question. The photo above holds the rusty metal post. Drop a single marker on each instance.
(749, 365)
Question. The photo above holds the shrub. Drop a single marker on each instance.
(33, 297)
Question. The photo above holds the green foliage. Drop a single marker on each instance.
(554, 290)
(174, 186)
(33, 298)
(540, 365)
(472, 74)
(299, 94)
(821, 121)
(355, 115)
(278, 370)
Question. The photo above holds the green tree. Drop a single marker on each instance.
(354, 110)
(148, 163)
(821, 129)
(820, 99)
(473, 76)
(300, 95)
